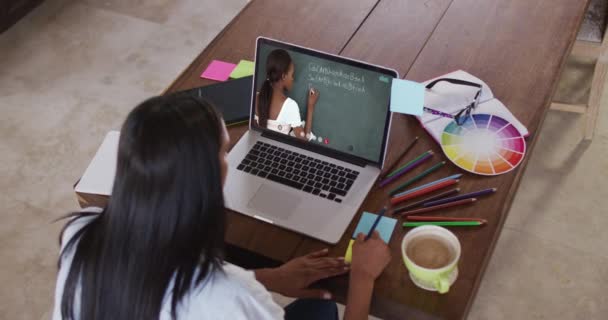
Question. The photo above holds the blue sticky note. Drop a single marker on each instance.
(385, 226)
(407, 97)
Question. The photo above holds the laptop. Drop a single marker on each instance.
(312, 184)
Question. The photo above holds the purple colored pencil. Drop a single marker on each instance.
(406, 169)
(460, 197)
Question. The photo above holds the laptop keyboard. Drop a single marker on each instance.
(311, 175)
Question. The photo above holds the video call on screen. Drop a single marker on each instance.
(350, 114)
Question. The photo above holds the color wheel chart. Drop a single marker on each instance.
(485, 144)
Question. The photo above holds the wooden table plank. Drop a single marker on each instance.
(518, 48)
(325, 25)
(395, 32)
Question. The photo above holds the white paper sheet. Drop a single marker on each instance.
(98, 178)
(451, 98)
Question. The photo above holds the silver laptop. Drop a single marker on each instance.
(312, 184)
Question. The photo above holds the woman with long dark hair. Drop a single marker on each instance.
(156, 250)
(274, 109)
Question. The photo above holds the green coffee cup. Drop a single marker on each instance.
(431, 255)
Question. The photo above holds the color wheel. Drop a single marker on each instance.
(485, 144)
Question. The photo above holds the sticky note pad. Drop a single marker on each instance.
(407, 97)
(385, 226)
(243, 69)
(218, 70)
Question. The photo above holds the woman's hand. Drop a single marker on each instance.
(369, 257)
(293, 278)
(313, 96)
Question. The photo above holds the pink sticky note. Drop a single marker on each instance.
(218, 70)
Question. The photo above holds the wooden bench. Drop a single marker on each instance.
(592, 42)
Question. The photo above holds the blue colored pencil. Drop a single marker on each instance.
(371, 230)
(406, 169)
(455, 176)
(460, 197)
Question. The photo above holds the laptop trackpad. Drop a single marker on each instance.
(274, 201)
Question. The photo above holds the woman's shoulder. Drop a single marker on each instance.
(289, 102)
(235, 289)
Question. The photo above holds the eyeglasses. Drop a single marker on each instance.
(461, 117)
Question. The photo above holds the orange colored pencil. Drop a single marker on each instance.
(439, 206)
(425, 218)
(424, 191)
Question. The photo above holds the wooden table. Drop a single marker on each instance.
(517, 46)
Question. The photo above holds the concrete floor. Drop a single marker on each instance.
(71, 71)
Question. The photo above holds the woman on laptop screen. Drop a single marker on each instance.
(274, 109)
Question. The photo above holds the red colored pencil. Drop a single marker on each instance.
(440, 206)
(425, 218)
(424, 191)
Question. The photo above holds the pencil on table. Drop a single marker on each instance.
(407, 168)
(392, 173)
(435, 197)
(444, 223)
(424, 191)
(427, 218)
(454, 176)
(418, 177)
(396, 163)
(460, 197)
(441, 206)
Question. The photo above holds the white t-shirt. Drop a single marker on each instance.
(233, 294)
(288, 118)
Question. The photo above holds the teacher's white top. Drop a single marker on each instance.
(288, 118)
(233, 294)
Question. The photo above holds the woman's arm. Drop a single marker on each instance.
(369, 260)
(293, 278)
(313, 96)
(359, 297)
(303, 132)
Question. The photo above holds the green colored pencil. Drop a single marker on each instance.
(418, 177)
(407, 164)
(444, 223)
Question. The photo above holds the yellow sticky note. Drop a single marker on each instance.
(348, 257)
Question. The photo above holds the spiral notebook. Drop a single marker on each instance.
(451, 98)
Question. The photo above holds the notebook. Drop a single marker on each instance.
(232, 98)
(451, 98)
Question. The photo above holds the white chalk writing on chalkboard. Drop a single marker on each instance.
(328, 76)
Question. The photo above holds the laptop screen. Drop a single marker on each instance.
(322, 99)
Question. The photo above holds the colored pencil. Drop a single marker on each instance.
(460, 197)
(424, 191)
(444, 223)
(441, 206)
(394, 165)
(435, 197)
(371, 230)
(418, 177)
(427, 218)
(407, 164)
(407, 169)
(454, 176)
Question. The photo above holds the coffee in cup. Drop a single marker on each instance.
(431, 255)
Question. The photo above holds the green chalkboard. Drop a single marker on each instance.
(352, 106)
